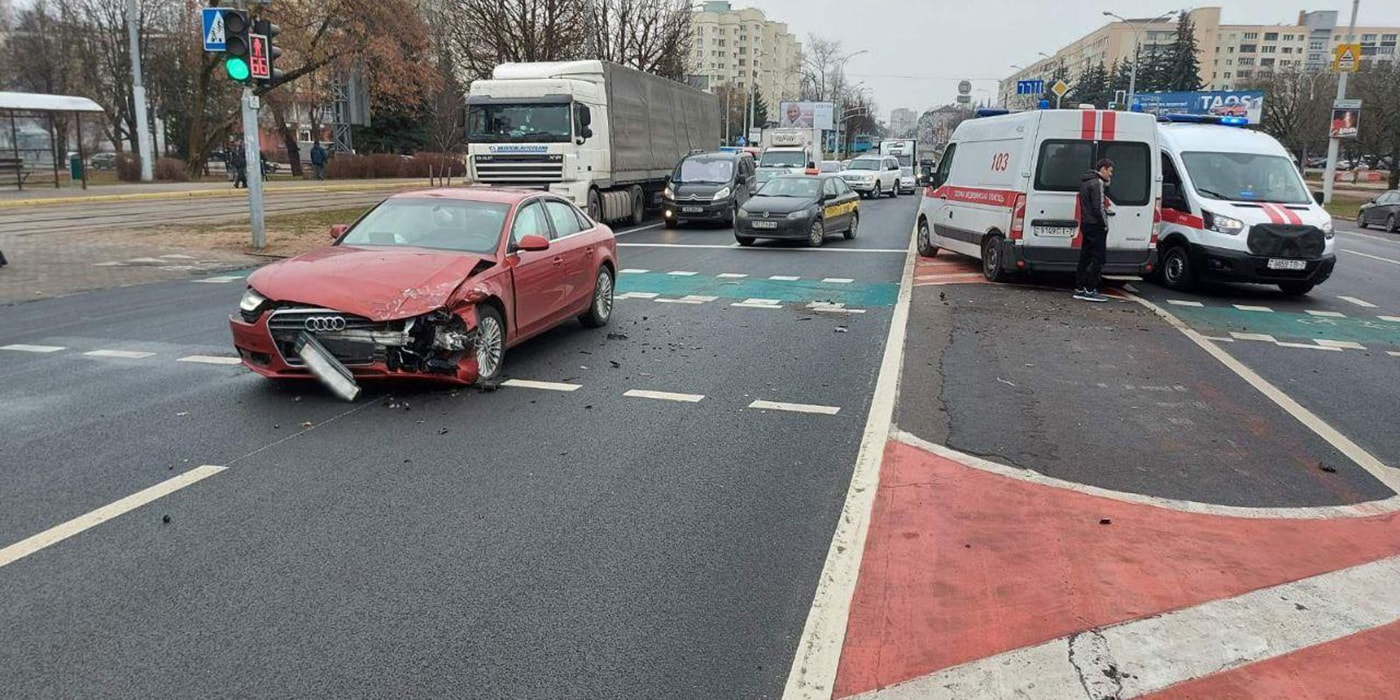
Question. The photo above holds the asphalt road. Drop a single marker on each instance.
(518, 543)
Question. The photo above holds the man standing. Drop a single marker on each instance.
(1093, 225)
(239, 160)
(318, 160)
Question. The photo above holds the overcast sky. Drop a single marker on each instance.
(920, 49)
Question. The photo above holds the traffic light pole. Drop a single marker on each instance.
(1334, 145)
(138, 92)
(253, 156)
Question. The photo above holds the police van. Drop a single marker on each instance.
(1007, 191)
(1235, 208)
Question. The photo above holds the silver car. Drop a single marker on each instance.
(908, 181)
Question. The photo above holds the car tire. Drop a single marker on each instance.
(1390, 225)
(894, 191)
(600, 311)
(816, 235)
(595, 205)
(744, 241)
(878, 192)
(925, 240)
(992, 268)
(1176, 269)
(1296, 289)
(1361, 219)
(491, 344)
(854, 228)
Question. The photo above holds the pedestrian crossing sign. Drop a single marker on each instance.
(1348, 58)
(215, 39)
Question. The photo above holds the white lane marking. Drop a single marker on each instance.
(1393, 353)
(813, 669)
(1253, 336)
(543, 386)
(784, 278)
(175, 256)
(219, 280)
(211, 360)
(146, 261)
(1359, 302)
(664, 396)
(838, 280)
(1218, 340)
(1179, 302)
(1326, 314)
(1322, 428)
(1306, 346)
(21, 347)
(121, 354)
(1264, 309)
(1357, 510)
(1149, 654)
(730, 276)
(639, 229)
(827, 249)
(58, 533)
(1391, 319)
(795, 407)
(110, 263)
(688, 299)
(760, 304)
(1373, 257)
(682, 273)
(634, 271)
(636, 295)
(1339, 344)
(832, 308)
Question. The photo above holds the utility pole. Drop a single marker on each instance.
(253, 155)
(1334, 144)
(138, 90)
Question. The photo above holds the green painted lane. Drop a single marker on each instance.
(1291, 326)
(853, 294)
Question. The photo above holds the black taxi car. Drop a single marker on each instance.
(799, 207)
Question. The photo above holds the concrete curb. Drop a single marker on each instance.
(198, 194)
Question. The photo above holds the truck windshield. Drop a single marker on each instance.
(1245, 177)
(473, 227)
(538, 123)
(783, 159)
(865, 164)
(707, 170)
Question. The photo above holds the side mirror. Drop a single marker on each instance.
(532, 243)
(585, 115)
(339, 230)
(1317, 197)
(587, 133)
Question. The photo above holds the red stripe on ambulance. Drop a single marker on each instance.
(1110, 125)
(975, 195)
(1088, 125)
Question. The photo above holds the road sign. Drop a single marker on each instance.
(213, 24)
(964, 99)
(965, 88)
(258, 65)
(741, 141)
(1347, 58)
(1059, 88)
(1346, 104)
(755, 135)
(1030, 87)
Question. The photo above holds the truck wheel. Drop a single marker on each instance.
(595, 205)
(1176, 269)
(1295, 289)
(816, 235)
(601, 310)
(991, 259)
(926, 247)
(638, 206)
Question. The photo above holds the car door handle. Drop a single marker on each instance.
(558, 261)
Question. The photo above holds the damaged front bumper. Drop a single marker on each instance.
(437, 346)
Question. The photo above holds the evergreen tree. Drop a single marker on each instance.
(760, 110)
(1093, 87)
(1060, 74)
(1182, 70)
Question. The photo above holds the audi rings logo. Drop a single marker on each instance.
(321, 324)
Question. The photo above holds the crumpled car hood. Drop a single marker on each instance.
(382, 284)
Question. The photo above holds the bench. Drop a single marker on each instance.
(14, 167)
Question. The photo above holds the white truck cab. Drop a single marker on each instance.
(787, 152)
(1007, 191)
(1235, 208)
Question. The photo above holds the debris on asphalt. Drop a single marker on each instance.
(1327, 467)
(615, 364)
(306, 424)
(842, 329)
(182, 414)
(443, 431)
(1003, 381)
(1105, 521)
(165, 519)
(617, 336)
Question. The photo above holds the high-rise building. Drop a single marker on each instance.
(1229, 54)
(742, 48)
(902, 121)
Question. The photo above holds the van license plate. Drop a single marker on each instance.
(1278, 264)
(765, 224)
(1055, 231)
(691, 210)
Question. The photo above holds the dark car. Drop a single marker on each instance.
(799, 207)
(708, 187)
(1383, 211)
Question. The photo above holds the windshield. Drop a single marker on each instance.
(539, 123)
(711, 170)
(783, 159)
(865, 164)
(906, 172)
(831, 166)
(472, 227)
(791, 187)
(1245, 177)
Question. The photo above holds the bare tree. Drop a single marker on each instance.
(1297, 107)
(1378, 87)
(485, 33)
(649, 35)
(822, 72)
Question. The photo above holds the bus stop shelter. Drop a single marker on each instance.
(43, 108)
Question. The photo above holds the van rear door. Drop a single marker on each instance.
(1067, 146)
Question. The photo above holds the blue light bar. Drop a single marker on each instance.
(1203, 119)
(992, 112)
(1235, 121)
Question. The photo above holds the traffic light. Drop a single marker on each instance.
(269, 31)
(236, 44)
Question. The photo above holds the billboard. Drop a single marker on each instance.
(807, 115)
(1225, 104)
(1346, 121)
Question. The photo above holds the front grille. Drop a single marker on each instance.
(519, 169)
(1286, 241)
(286, 324)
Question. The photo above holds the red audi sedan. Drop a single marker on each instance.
(434, 285)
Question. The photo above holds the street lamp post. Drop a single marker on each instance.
(1334, 144)
(1137, 44)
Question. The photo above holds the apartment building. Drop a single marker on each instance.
(903, 120)
(743, 48)
(1229, 54)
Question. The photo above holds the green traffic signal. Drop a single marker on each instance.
(237, 68)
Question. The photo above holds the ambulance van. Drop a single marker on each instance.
(1007, 191)
(1235, 209)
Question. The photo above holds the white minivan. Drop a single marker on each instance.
(1235, 208)
(1007, 191)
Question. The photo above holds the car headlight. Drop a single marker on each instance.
(1327, 228)
(668, 193)
(743, 213)
(1222, 224)
(723, 194)
(251, 301)
(799, 214)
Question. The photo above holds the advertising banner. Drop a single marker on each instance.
(1223, 104)
(1346, 119)
(807, 115)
